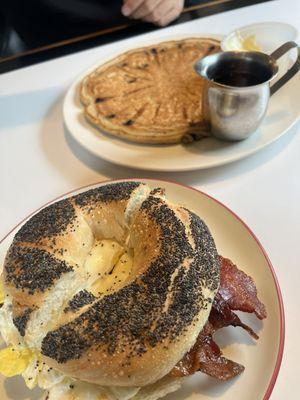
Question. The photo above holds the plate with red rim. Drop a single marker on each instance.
(234, 240)
(283, 112)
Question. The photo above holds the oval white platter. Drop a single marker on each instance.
(282, 114)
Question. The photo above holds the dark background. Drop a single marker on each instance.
(36, 30)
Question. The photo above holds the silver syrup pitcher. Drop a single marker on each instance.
(237, 89)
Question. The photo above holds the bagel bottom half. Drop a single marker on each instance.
(76, 390)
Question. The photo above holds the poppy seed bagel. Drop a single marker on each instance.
(135, 334)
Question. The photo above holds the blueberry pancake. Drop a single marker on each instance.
(151, 94)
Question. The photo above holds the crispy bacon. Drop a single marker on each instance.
(221, 316)
(237, 292)
(206, 356)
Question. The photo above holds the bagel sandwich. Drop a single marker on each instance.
(115, 294)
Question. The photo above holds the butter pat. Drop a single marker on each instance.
(250, 44)
(108, 267)
(117, 279)
(239, 43)
(102, 258)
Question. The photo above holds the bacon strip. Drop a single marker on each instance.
(221, 316)
(237, 292)
(206, 357)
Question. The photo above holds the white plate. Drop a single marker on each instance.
(262, 359)
(283, 112)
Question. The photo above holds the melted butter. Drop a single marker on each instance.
(108, 267)
(117, 279)
(102, 258)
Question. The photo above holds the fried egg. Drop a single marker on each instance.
(14, 361)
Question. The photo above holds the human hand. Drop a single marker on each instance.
(159, 12)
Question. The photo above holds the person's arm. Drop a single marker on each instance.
(159, 12)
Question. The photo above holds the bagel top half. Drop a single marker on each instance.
(144, 316)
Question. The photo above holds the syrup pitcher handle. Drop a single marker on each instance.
(292, 71)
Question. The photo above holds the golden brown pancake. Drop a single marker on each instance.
(151, 94)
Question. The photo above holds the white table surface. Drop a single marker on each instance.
(38, 162)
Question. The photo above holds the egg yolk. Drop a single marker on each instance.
(14, 361)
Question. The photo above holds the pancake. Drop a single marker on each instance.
(151, 94)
